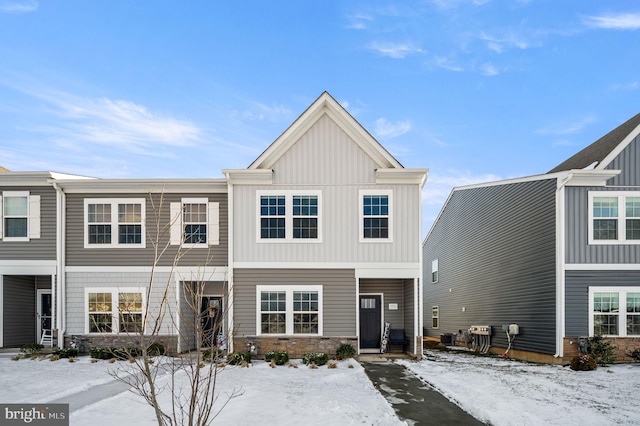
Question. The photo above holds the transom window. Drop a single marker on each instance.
(114, 222)
(114, 311)
(375, 215)
(15, 215)
(289, 310)
(286, 216)
(614, 311)
(614, 218)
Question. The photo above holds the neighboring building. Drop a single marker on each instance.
(326, 239)
(557, 254)
(315, 244)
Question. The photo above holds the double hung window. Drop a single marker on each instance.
(376, 216)
(114, 222)
(114, 310)
(19, 216)
(195, 223)
(614, 311)
(614, 218)
(289, 310)
(286, 216)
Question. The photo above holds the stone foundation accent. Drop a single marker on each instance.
(623, 345)
(295, 346)
(170, 343)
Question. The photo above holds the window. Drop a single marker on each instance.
(434, 271)
(375, 216)
(114, 311)
(195, 222)
(435, 317)
(20, 214)
(614, 218)
(114, 222)
(286, 216)
(614, 311)
(289, 310)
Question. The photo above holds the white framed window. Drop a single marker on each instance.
(614, 311)
(614, 217)
(289, 310)
(289, 216)
(114, 222)
(195, 223)
(376, 215)
(20, 213)
(114, 310)
(434, 271)
(435, 317)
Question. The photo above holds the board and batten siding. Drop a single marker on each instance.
(78, 255)
(340, 227)
(338, 291)
(496, 252)
(627, 161)
(43, 248)
(577, 285)
(19, 310)
(77, 282)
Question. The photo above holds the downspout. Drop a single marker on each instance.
(560, 264)
(230, 299)
(60, 264)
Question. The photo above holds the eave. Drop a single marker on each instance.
(249, 176)
(402, 176)
(143, 186)
(587, 177)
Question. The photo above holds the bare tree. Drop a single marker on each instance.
(189, 379)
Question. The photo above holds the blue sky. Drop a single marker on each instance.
(475, 90)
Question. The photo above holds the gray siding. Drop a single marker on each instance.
(19, 310)
(43, 248)
(577, 285)
(409, 306)
(338, 288)
(496, 251)
(77, 255)
(627, 161)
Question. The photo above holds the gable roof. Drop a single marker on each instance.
(326, 105)
(601, 151)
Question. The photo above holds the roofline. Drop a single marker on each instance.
(103, 186)
(619, 148)
(36, 178)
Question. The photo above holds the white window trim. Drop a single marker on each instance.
(622, 312)
(288, 216)
(114, 221)
(115, 321)
(204, 201)
(437, 307)
(289, 290)
(28, 216)
(435, 269)
(361, 194)
(621, 218)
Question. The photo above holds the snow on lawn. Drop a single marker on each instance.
(281, 395)
(505, 392)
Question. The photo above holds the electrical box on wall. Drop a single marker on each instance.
(514, 329)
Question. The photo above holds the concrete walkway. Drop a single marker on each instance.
(415, 402)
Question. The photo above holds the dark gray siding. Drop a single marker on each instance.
(77, 255)
(43, 248)
(627, 162)
(496, 251)
(409, 306)
(19, 310)
(577, 295)
(338, 288)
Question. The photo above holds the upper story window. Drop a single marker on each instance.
(289, 216)
(114, 222)
(614, 311)
(195, 222)
(434, 271)
(614, 218)
(20, 216)
(376, 215)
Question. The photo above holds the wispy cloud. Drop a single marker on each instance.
(448, 64)
(395, 50)
(499, 44)
(620, 21)
(18, 6)
(489, 69)
(258, 111)
(359, 21)
(634, 85)
(385, 129)
(450, 4)
(567, 128)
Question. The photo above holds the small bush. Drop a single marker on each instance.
(16, 358)
(278, 357)
(212, 355)
(238, 358)
(583, 363)
(54, 358)
(318, 358)
(32, 348)
(101, 353)
(635, 355)
(345, 351)
(332, 364)
(156, 349)
(602, 351)
(65, 353)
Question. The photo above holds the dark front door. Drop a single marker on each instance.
(210, 320)
(370, 321)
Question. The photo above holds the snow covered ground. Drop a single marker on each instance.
(496, 391)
